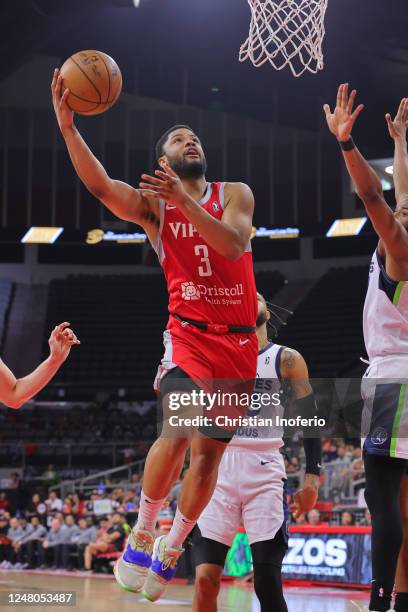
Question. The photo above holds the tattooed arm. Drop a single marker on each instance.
(294, 369)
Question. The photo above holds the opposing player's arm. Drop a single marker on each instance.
(230, 235)
(15, 392)
(124, 201)
(368, 185)
(294, 369)
(369, 189)
(397, 128)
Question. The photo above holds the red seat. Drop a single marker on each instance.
(111, 555)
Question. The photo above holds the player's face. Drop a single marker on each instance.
(263, 313)
(401, 213)
(185, 155)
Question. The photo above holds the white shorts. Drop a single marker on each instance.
(250, 491)
(385, 416)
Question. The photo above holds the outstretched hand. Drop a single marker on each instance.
(343, 118)
(61, 340)
(397, 127)
(65, 116)
(165, 185)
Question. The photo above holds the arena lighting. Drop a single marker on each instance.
(263, 232)
(127, 3)
(389, 169)
(346, 227)
(97, 235)
(42, 235)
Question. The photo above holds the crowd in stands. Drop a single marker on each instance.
(131, 426)
(29, 544)
(71, 533)
(77, 437)
(343, 460)
(88, 422)
(39, 529)
(347, 518)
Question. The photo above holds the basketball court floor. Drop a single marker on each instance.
(101, 593)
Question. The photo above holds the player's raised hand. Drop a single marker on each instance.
(343, 118)
(166, 185)
(397, 127)
(65, 116)
(61, 340)
(306, 498)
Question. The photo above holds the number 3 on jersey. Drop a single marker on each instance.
(205, 269)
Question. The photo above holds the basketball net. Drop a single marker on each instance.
(286, 33)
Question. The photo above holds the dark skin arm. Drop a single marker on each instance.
(228, 236)
(294, 369)
(393, 235)
(397, 129)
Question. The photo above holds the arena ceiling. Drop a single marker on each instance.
(175, 48)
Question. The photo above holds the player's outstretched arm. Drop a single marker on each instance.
(368, 185)
(15, 392)
(397, 128)
(294, 369)
(228, 236)
(120, 198)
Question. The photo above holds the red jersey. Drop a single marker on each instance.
(202, 284)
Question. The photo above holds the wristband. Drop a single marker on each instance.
(347, 145)
(312, 443)
(313, 453)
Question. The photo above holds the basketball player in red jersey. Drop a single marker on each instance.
(201, 233)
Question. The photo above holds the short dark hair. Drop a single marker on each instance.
(163, 139)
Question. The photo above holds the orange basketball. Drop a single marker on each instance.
(305, 499)
(94, 82)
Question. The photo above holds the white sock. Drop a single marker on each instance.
(179, 530)
(148, 511)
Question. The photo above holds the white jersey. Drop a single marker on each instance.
(385, 313)
(267, 434)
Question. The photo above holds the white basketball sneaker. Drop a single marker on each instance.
(162, 570)
(132, 566)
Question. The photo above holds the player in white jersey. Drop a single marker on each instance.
(251, 480)
(385, 417)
